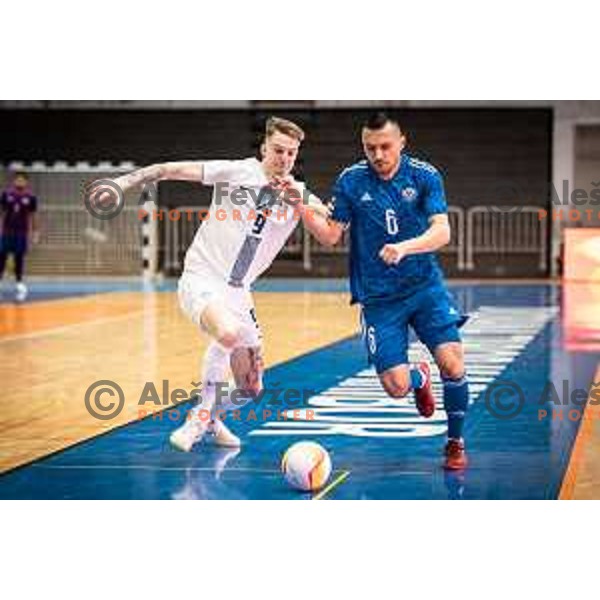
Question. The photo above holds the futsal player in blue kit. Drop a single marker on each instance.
(396, 210)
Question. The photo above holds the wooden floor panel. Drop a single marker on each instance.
(53, 351)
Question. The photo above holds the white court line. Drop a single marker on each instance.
(335, 408)
(387, 470)
(63, 328)
(148, 468)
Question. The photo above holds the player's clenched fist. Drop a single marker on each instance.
(295, 193)
(392, 254)
(289, 189)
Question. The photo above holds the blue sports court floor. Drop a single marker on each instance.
(380, 448)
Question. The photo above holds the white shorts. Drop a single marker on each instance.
(196, 292)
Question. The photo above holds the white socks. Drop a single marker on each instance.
(214, 372)
(216, 389)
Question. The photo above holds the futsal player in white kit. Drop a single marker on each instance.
(244, 232)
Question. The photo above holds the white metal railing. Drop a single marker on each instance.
(73, 242)
(456, 218)
(179, 233)
(476, 231)
(180, 230)
(512, 230)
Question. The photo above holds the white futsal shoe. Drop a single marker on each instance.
(189, 434)
(193, 430)
(22, 292)
(220, 435)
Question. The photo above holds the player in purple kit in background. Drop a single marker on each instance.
(18, 223)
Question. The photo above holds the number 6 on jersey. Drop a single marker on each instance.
(391, 221)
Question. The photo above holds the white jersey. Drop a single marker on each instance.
(237, 241)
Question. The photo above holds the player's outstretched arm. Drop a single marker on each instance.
(179, 171)
(318, 221)
(436, 237)
(315, 215)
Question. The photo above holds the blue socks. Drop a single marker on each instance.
(456, 401)
(417, 379)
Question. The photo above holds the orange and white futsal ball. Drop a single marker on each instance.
(306, 466)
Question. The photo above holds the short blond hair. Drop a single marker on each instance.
(276, 124)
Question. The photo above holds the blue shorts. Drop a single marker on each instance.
(13, 244)
(432, 313)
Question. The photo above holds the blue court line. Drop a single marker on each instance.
(53, 289)
(43, 290)
(302, 285)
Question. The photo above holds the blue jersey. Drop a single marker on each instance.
(383, 212)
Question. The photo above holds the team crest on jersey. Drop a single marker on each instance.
(409, 193)
(25, 201)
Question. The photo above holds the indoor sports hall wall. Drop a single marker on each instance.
(490, 158)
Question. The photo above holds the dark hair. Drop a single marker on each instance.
(20, 174)
(379, 120)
